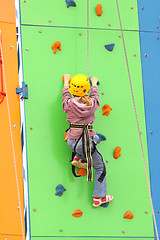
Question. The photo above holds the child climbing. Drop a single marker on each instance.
(81, 137)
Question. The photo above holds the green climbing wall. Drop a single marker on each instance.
(48, 154)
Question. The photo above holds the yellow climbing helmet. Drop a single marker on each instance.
(79, 85)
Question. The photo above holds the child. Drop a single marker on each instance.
(80, 113)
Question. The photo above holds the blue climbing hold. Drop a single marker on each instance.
(110, 47)
(70, 3)
(101, 137)
(105, 204)
(98, 83)
(60, 190)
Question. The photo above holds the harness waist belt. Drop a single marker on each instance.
(80, 126)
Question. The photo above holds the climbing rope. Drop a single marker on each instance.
(88, 38)
(2, 93)
(14, 155)
(155, 224)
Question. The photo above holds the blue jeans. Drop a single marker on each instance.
(100, 189)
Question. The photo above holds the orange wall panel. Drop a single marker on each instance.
(7, 11)
(10, 220)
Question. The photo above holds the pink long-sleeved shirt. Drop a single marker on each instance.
(78, 112)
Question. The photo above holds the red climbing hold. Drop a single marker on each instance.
(2, 93)
(55, 46)
(128, 215)
(65, 136)
(81, 172)
(77, 213)
(106, 110)
(99, 9)
(117, 152)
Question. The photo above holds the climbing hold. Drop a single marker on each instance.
(59, 190)
(151, 132)
(107, 161)
(128, 215)
(61, 230)
(105, 204)
(132, 7)
(102, 93)
(109, 24)
(142, 8)
(81, 172)
(117, 152)
(123, 231)
(106, 110)
(49, 20)
(40, 31)
(146, 55)
(146, 211)
(135, 55)
(77, 213)
(65, 136)
(70, 3)
(110, 47)
(80, 34)
(27, 49)
(35, 209)
(56, 45)
(99, 9)
(101, 137)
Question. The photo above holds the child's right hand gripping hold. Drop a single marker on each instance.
(94, 81)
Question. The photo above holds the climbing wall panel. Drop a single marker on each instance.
(7, 11)
(150, 45)
(11, 221)
(149, 17)
(40, 13)
(46, 123)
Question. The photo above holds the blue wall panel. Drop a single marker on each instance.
(150, 52)
(149, 12)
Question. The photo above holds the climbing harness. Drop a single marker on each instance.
(87, 153)
(155, 224)
(2, 93)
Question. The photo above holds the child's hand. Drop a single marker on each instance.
(67, 79)
(94, 81)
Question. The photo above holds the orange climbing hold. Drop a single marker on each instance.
(99, 9)
(128, 215)
(65, 136)
(81, 172)
(106, 110)
(55, 46)
(77, 213)
(117, 152)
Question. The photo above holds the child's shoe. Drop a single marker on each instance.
(79, 163)
(97, 201)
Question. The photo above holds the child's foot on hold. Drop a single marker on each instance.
(79, 163)
(97, 201)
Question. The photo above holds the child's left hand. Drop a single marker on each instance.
(67, 79)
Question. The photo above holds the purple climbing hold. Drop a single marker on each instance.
(110, 47)
(60, 190)
(105, 204)
(70, 3)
